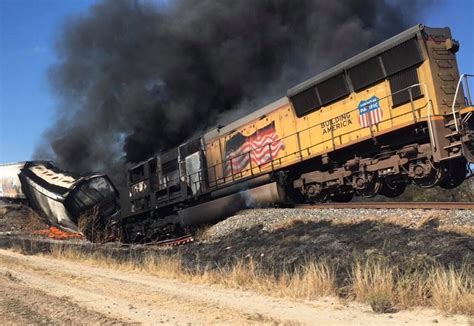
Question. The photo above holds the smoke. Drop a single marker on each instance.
(138, 77)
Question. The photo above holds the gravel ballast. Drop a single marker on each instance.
(269, 219)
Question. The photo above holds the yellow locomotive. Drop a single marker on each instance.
(395, 114)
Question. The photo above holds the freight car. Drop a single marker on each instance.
(61, 198)
(10, 185)
(392, 115)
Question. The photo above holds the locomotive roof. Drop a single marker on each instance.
(218, 131)
(358, 58)
(367, 54)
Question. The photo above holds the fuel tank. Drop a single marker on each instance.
(218, 209)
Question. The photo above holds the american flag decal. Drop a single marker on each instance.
(370, 112)
(260, 147)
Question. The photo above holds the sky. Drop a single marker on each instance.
(29, 28)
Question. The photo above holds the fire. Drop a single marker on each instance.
(57, 234)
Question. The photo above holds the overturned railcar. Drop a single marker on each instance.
(71, 202)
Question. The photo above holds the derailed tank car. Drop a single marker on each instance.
(395, 114)
(73, 203)
(10, 185)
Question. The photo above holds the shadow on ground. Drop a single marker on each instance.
(342, 244)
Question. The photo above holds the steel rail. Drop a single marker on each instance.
(390, 205)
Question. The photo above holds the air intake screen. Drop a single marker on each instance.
(332, 89)
(401, 57)
(366, 73)
(305, 102)
(401, 81)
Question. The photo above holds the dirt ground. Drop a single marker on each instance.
(39, 290)
(17, 218)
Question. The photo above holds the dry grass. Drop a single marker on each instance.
(372, 281)
(313, 279)
(452, 291)
(447, 289)
(460, 229)
(371, 277)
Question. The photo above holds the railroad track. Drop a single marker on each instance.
(172, 242)
(391, 205)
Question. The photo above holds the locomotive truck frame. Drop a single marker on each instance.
(392, 115)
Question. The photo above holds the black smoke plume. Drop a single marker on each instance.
(137, 77)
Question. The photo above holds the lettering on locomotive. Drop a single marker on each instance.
(338, 122)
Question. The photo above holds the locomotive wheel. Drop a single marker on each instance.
(392, 190)
(455, 173)
(319, 199)
(372, 189)
(343, 198)
(430, 180)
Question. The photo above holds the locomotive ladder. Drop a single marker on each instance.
(456, 124)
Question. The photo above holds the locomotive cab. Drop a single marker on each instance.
(192, 165)
(168, 178)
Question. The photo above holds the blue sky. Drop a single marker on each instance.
(28, 29)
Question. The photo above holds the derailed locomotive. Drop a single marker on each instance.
(395, 114)
(61, 198)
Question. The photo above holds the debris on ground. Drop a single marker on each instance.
(18, 219)
(57, 234)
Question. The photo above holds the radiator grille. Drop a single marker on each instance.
(305, 102)
(402, 56)
(366, 73)
(403, 80)
(332, 89)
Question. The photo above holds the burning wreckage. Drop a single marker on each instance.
(368, 126)
(86, 204)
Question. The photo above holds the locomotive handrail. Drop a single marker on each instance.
(430, 108)
(463, 76)
(300, 150)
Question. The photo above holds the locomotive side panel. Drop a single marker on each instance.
(347, 109)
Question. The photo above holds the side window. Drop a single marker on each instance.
(401, 81)
(136, 173)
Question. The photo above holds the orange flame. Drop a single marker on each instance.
(58, 234)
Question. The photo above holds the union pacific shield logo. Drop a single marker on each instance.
(370, 112)
(259, 148)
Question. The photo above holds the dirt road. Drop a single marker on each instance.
(38, 290)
